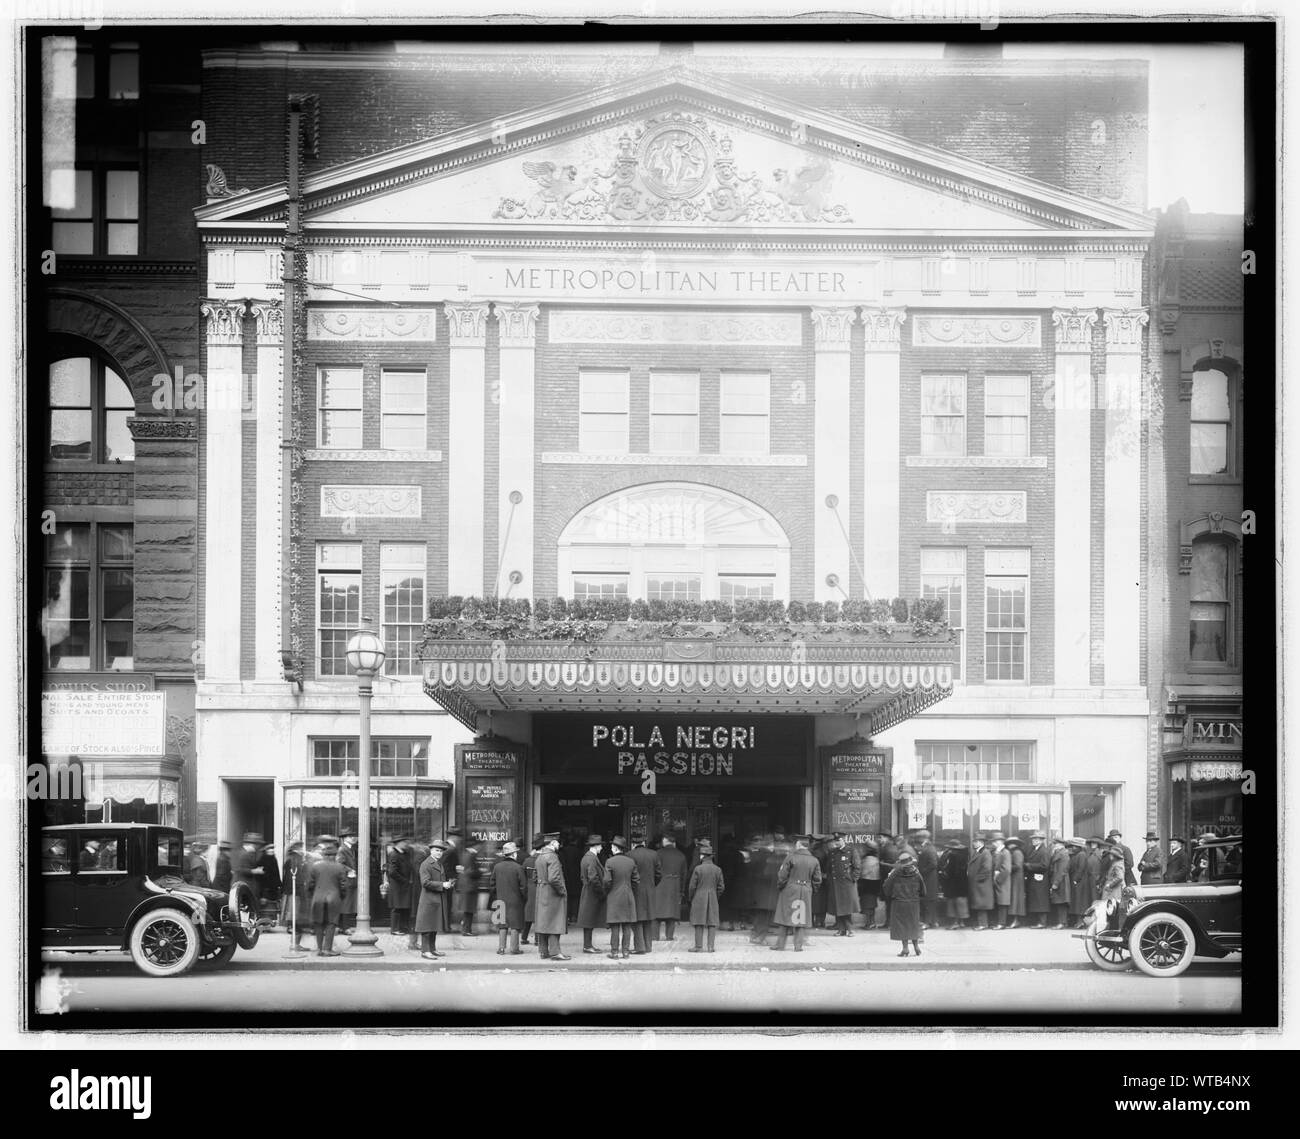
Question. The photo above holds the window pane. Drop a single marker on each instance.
(1210, 396)
(1209, 578)
(402, 555)
(124, 75)
(122, 195)
(117, 595)
(85, 74)
(685, 587)
(603, 434)
(674, 393)
(1209, 448)
(73, 238)
(674, 434)
(403, 433)
(340, 599)
(339, 554)
(70, 435)
(402, 391)
(943, 435)
(70, 382)
(743, 588)
(743, 435)
(118, 444)
(587, 586)
(123, 239)
(943, 395)
(1006, 603)
(117, 649)
(341, 429)
(1006, 395)
(1006, 436)
(69, 543)
(1209, 631)
(743, 394)
(603, 391)
(83, 199)
(340, 387)
(116, 391)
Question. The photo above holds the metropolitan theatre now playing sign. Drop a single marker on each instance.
(675, 749)
(487, 788)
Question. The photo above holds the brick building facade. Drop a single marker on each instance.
(584, 325)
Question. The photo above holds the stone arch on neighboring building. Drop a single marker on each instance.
(112, 331)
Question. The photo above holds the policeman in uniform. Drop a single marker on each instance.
(845, 868)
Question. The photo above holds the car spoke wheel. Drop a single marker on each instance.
(1108, 956)
(1162, 945)
(217, 955)
(243, 909)
(164, 943)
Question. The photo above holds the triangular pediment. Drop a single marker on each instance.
(675, 151)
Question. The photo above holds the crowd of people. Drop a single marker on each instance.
(643, 888)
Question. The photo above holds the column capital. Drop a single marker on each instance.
(467, 323)
(225, 322)
(269, 317)
(517, 324)
(1124, 328)
(832, 328)
(1074, 328)
(883, 328)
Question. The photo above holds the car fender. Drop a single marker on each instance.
(196, 907)
(1206, 946)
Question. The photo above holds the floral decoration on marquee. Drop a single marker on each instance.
(676, 168)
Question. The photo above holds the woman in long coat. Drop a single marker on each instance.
(1017, 908)
(433, 915)
(905, 888)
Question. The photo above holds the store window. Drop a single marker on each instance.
(745, 413)
(1006, 415)
(976, 762)
(943, 578)
(95, 211)
(116, 798)
(338, 402)
(338, 580)
(603, 412)
(943, 415)
(403, 409)
(402, 587)
(1006, 614)
(674, 413)
(390, 757)
(1205, 797)
(1210, 614)
(89, 405)
(88, 620)
(313, 810)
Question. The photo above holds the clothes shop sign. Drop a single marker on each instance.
(104, 723)
(623, 749)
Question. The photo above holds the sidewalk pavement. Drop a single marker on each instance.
(868, 949)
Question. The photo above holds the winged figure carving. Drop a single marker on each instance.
(558, 183)
(804, 191)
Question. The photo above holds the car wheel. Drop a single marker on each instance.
(217, 956)
(1162, 945)
(164, 943)
(1109, 956)
(244, 910)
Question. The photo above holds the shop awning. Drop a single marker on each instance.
(884, 681)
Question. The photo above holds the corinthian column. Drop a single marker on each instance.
(467, 327)
(832, 329)
(269, 321)
(882, 340)
(517, 329)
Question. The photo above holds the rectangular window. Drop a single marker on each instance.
(674, 587)
(603, 412)
(943, 415)
(592, 586)
(1210, 608)
(338, 592)
(74, 223)
(975, 762)
(99, 212)
(1006, 614)
(745, 413)
(401, 584)
(89, 615)
(389, 757)
(402, 409)
(1006, 415)
(674, 413)
(124, 71)
(943, 578)
(1211, 423)
(121, 212)
(746, 587)
(339, 404)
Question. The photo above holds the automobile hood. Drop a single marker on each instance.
(203, 894)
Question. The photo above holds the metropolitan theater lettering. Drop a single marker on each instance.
(685, 749)
(687, 282)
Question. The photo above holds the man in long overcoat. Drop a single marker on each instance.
(1001, 880)
(570, 859)
(1017, 907)
(433, 906)
(552, 918)
(1180, 863)
(799, 874)
(979, 881)
(953, 882)
(842, 890)
(649, 870)
(348, 860)
(927, 865)
(396, 886)
(1038, 861)
(466, 866)
(1059, 882)
(530, 885)
(762, 888)
(591, 906)
(325, 883)
(1081, 880)
(271, 883)
(705, 892)
(820, 849)
(416, 854)
(671, 889)
(509, 888)
(1151, 866)
(293, 906)
(620, 879)
(222, 874)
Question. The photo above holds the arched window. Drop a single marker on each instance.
(1211, 594)
(89, 404)
(674, 541)
(1214, 395)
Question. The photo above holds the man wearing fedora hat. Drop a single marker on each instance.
(433, 906)
(325, 884)
(348, 860)
(1060, 879)
(705, 893)
(620, 880)
(591, 906)
(552, 918)
(221, 871)
(1114, 836)
(1151, 866)
(953, 882)
(509, 887)
(1001, 880)
(244, 865)
(1038, 861)
(396, 887)
(649, 870)
(1180, 864)
(671, 888)
(979, 881)
(416, 854)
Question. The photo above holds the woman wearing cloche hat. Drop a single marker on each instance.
(905, 888)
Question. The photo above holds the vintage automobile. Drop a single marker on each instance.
(1162, 928)
(118, 886)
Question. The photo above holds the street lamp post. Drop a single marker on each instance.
(365, 655)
